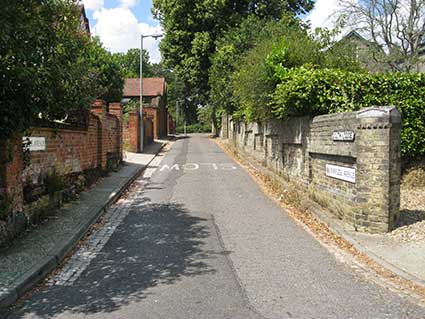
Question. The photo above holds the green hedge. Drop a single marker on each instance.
(312, 91)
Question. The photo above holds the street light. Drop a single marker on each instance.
(155, 36)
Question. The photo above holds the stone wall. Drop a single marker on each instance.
(349, 162)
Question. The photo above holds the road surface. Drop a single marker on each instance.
(196, 238)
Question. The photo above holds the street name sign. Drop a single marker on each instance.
(345, 136)
(343, 173)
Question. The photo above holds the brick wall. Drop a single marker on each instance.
(154, 114)
(364, 145)
(67, 152)
(131, 130)
(171, 127)
(11, 165)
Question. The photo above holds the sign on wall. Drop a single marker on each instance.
(36, 143)
(346, 136)
(343, 173)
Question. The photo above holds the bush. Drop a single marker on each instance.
(50, 67)
(194, 128)
(310, 91)
(281, 45)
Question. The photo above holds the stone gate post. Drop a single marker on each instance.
(378, 169)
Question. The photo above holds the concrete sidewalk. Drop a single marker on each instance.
(33, 256)
(407, 259)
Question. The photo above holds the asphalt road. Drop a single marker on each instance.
(198, 239)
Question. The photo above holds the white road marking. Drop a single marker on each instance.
(191, 167)
(197, 166)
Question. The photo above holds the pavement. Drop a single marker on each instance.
(407, 259)
(197, 238)
(31, 257)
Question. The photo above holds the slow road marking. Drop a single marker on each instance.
(197, 166)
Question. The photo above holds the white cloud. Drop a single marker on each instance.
(323, 14)
(93, 4)
(128, 3)
(119, 30)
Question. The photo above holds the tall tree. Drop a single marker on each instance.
(192, 28)
(397, 26)
(130, 63)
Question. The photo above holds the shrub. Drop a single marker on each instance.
(50, 68)
(310, 91)
(280, 46)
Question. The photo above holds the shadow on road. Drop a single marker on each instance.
(156, 244)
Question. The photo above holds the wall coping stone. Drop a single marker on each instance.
(387, 112)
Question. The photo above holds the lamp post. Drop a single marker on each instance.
(155, 36)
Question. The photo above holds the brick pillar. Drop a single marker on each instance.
(133, 132)
(378, 169)
(11, 167)
(98, 108)
(116, 109)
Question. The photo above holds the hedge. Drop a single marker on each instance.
(305, 90)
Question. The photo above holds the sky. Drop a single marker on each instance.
(119, 23)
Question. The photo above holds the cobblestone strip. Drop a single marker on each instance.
(97, 240)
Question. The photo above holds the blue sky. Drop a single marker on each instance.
(119, 23)
(141, 9)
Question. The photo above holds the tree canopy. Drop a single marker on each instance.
(129, 63)
(397, 27)
(192, 29)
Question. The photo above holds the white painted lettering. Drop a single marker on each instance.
(191, 167)
(175, 166)
(228, 166)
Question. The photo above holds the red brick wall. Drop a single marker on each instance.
(11, 164)
(148, 130)
(116, 109)
(67, 150)
(132, 129)
(152, 112)
(132, 132)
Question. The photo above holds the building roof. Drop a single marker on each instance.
(85, 24)
(151, 87)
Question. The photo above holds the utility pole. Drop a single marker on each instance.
(177, 115)
(141, 86)
(141, 96)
